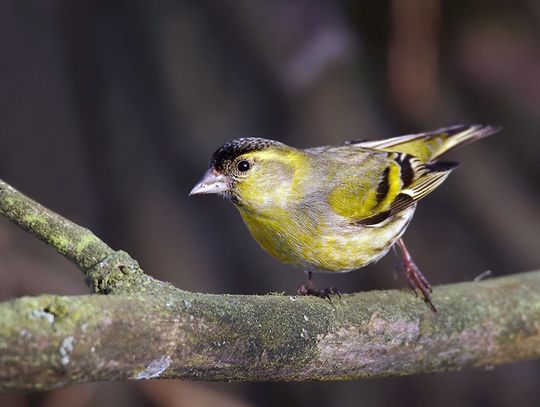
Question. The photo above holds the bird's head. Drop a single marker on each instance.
(253, 173)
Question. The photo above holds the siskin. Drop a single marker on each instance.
(335, 208)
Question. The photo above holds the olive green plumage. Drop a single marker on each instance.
(332, 208)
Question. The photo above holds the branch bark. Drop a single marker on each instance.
(107, 271)
(51, 341)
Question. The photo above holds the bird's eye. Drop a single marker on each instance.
(243, 166)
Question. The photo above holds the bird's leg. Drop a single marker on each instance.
(415, 278)
(309, 289)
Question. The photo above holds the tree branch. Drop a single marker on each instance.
(107, 271)
(50, 341)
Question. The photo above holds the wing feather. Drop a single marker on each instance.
(428, 178)
(419, 189)
(418, 175)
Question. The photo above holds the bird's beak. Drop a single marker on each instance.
(212, 182)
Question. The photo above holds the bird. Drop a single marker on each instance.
(335, 208)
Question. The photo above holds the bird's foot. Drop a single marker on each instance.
(415, 278)
(417, 281)
(325, 293)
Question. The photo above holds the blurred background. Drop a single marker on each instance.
(110, 111)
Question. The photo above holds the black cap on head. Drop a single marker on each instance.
(232, 149)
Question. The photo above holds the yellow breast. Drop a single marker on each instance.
(324, 247)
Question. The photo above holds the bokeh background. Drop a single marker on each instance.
(110, 110)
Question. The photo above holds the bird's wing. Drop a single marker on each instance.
(401, 181)
(433, 176)
(409, 173)
(431, 145)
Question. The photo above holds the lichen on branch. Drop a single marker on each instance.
(74, 242)
(107, 271)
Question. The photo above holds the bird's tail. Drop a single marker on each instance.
(431, 145)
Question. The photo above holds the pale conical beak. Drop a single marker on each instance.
(212, 182)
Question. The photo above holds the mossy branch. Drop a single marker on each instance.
(51, 341)
(107, 271)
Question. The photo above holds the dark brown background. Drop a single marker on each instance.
(110, 110)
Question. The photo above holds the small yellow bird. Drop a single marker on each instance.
(335, 208)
